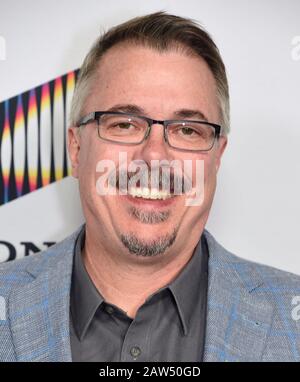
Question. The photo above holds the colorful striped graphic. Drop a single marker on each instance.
(19, 146)
(33, 136)
(6, 153)
(32, 141)
(45, 135)
(58, 132)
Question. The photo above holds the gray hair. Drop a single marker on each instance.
(162, 32)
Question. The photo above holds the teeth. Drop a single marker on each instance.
(147, 193)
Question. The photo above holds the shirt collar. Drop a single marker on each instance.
(188, 286)
(85, 298)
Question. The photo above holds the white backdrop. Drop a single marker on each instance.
(256, 209)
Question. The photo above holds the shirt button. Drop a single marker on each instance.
(109, 309)
(135, 351)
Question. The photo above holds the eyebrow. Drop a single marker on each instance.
(181, 113)
(190, 113)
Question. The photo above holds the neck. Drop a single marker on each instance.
(127, 281)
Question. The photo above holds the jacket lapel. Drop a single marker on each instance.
(39, 311)
(238, 318)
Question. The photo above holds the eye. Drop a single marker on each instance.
(123, 125)
(188, 130)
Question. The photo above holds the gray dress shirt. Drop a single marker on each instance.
(169, 326)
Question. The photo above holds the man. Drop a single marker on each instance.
(142, 280)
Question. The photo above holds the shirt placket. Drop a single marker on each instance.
(136, 344)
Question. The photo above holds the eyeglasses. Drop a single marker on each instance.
(130, 129)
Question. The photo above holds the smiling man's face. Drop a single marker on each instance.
(158, 85)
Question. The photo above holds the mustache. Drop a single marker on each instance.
(160, 178)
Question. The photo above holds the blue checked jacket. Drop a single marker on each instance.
(249, 312)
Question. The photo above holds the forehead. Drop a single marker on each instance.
(157, 81)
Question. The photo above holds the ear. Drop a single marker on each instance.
(74, 149)
(221, 145)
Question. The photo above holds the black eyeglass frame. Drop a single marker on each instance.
(96, 115)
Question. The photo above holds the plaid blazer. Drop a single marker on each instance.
(249, 314)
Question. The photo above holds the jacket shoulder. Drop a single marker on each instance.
(18, 272)
(274, 279)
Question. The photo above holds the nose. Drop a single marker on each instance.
(154, 147)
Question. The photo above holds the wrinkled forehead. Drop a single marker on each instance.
(141, 75)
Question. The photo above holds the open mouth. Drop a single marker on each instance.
(162, 192)
(149, 193)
